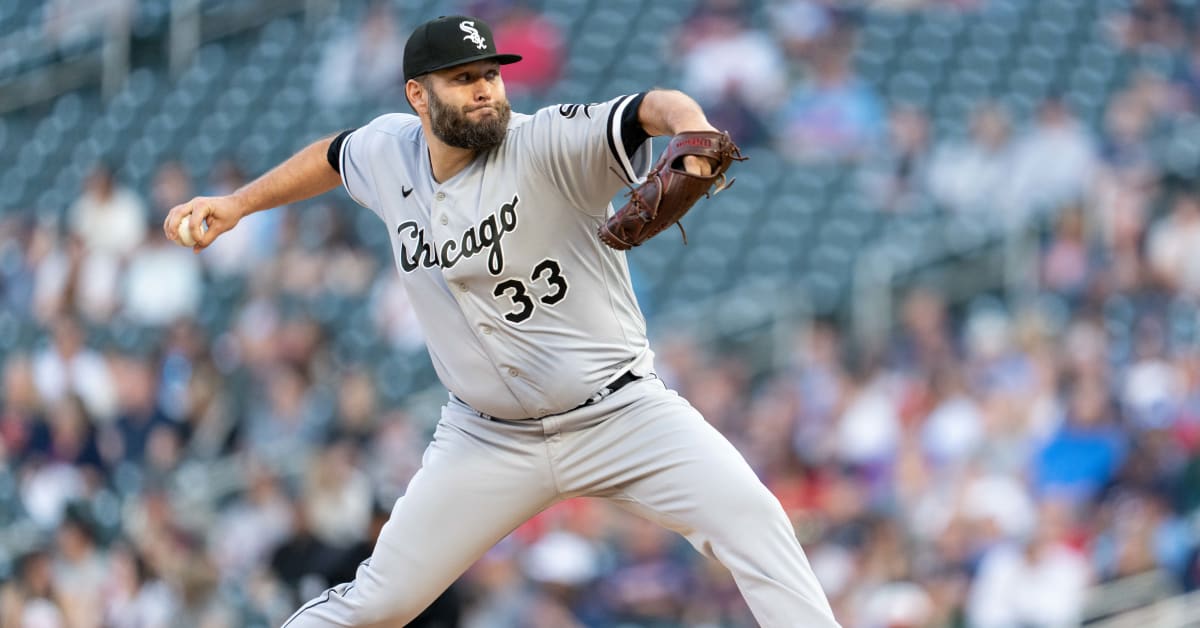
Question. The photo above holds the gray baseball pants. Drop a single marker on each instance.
(643, 447)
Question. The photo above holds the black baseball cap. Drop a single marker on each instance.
(449, 41)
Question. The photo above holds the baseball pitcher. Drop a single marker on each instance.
(512, 257)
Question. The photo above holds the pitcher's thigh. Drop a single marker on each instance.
(693, 479)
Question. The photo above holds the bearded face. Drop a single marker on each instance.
(453, 127)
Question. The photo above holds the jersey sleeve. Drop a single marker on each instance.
(592, 151)
(363, 153)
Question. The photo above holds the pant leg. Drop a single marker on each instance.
(478, 481)
(655, 455)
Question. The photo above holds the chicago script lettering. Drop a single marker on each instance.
(416, 251)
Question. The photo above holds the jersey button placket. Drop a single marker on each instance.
(440, 209)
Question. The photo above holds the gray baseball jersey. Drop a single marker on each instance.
(525, 312)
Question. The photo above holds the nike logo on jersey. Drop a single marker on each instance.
(416, 251)
(405, 191)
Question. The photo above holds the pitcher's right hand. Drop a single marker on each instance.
(218, 213)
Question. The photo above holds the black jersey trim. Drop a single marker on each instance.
(616, 142)
(334, 154)
(633, 135)
(342, 167)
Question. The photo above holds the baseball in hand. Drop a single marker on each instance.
(185, 232)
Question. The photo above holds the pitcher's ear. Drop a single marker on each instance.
(414, 93)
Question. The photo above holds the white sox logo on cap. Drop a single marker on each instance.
(473, 35)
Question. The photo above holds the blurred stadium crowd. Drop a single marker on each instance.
(168, 462)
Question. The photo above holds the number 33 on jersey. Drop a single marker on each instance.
(523, 308)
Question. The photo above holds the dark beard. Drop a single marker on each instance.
(452, 126)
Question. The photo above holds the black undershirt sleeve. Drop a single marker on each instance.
(632, 133)
(335, 151)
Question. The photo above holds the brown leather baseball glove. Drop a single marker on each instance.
(669, 191)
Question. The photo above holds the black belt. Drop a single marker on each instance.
(625, 379)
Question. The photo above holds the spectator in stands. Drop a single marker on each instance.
(1068, 262)
(109, 218)
(997, 506)
(30, 599)
(770, 425)
(925, 342)
(17, 264)
(1087, 450)
(301, 561)
(138, 413)
(649, 583)
(347, 269)
(1053, 163)
(108, 222)
(20, 409)
(1143, 535)
(1150, 22)
(731, 69)
(337, 497)
(170, 187)
(895, 177)
(357, 408)
(563, 564)
(1041, 582)
(394, 455)
(286, 420)
(81, 570)
(162, 282)
(364, 62)
(1125, 185)
(63, 465)
(868, 431)
(898, 604)
(801, 25)
(953, 431)
(1124, 149)
(209, 427)
(539, 41)
(201, 601)
(502, 593)
(69, 367)
(818, 376)
(71, 282)
(970, 176)
(1153, 386)
(252, 526)
(394, 318)
(73, 441)
(1174, 246)
(134, 596)
(833, 115)
(1187, 77)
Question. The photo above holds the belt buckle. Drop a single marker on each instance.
(600, 395)
(616, 384)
